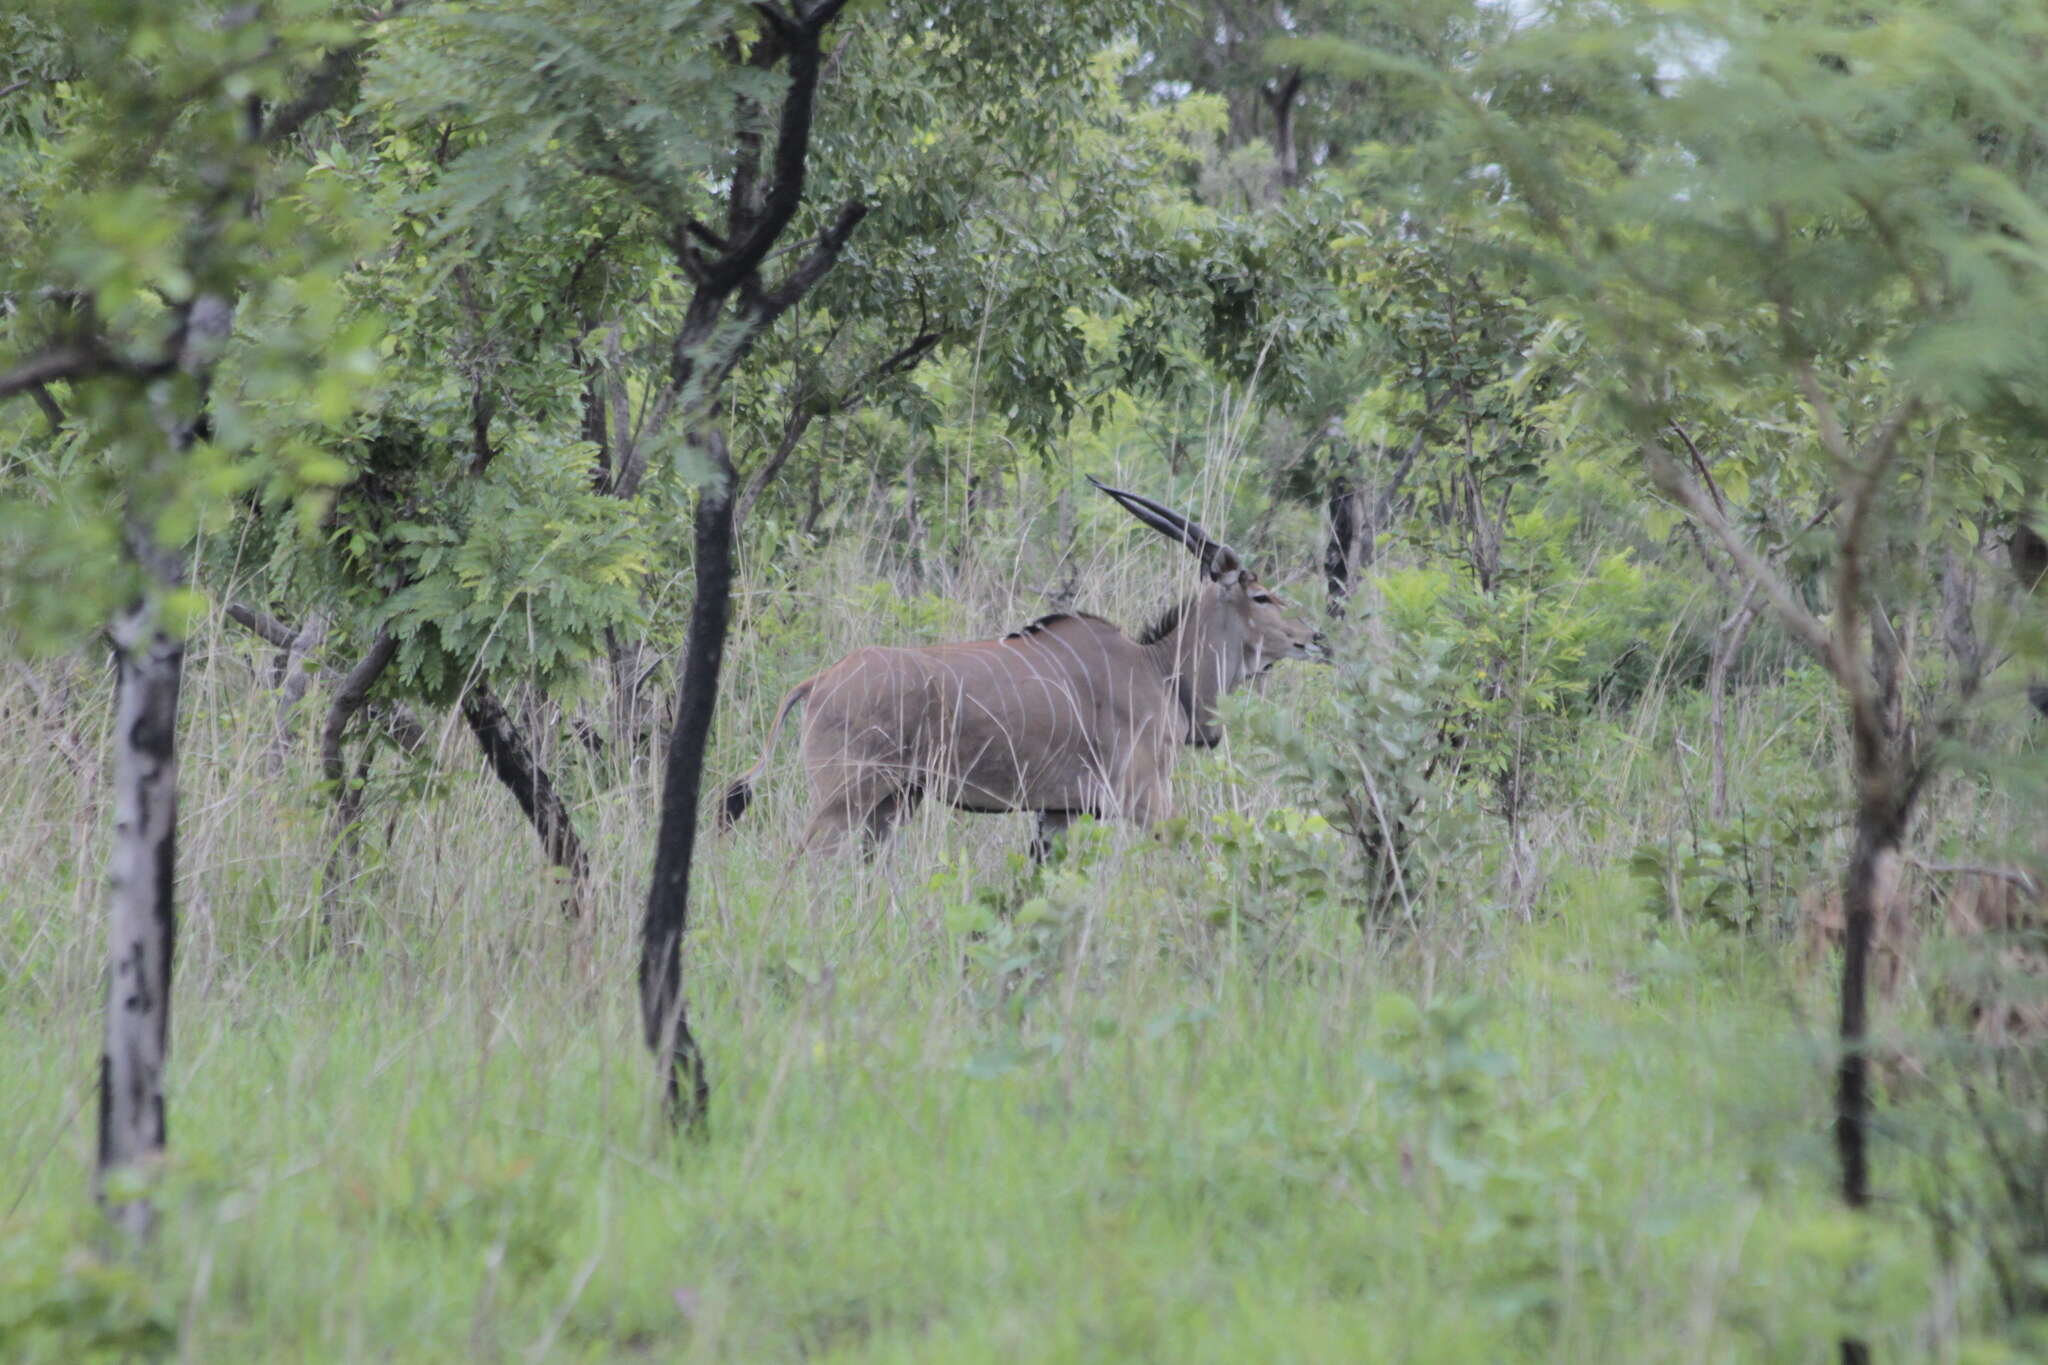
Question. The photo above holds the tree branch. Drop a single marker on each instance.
(59, 364)
(262, 625)
(1867, 727)
(1805, 627)
(348, 699)
(52, 414)
(324, 86)
(818, 260)
(792, 433)
(399, 722)
(755, 232)
(1700, 464)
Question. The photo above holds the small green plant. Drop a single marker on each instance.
(1437, 1074)
(1375, 768)
(1015, 934)
(61, 1302)
(1530, 658)
(1735, 873)
(1254, 867)
(1490, 1167)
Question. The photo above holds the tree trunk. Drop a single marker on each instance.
(631, 663)
(1727, 646)
(1280, 97)
(291, 688)
(1340, 554)
(1959, 618)
(142, 924)
(348, 796)
(515, 765)
(1880, 825)
(661, 999)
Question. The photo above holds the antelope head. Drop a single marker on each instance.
(1234, 627)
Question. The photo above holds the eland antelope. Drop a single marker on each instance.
(1065, 717)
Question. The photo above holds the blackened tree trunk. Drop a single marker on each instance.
(1887, 769)
(142, 923)
(661, 1002)
(1280, 98)
(1340, 554)
(730, 306)
(1888, 782)
(512, 760)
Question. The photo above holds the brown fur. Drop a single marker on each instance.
(1068, 716)
(2004, 911)
(1823, 927)
(2009, 1003)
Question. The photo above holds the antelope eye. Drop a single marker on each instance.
(1262, 598)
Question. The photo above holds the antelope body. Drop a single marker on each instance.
(1066, 717)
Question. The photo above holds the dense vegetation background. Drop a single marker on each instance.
(416, 417)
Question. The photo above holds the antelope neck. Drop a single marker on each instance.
(1186, 669)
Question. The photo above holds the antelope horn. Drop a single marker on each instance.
(1217, 558)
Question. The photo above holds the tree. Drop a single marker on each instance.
(163, 273)
(1833, 215)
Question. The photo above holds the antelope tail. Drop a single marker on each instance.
(741, 793)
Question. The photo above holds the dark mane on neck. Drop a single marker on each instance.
(1166, 624)
(1046, 622)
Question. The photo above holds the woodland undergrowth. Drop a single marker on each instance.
(1218, 1091)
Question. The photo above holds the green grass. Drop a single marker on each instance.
(1133, 1127)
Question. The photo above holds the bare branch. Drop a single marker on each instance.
(324, 86)
(1832, 437)
(1384, 503)
(1700, 465)
(792, 434)
(2017, 876)
(291, 688)
(400, 723)
(905, 358)
(816, 262)
(1805, 627)
(262, 625)
(704, 234)
(786, 28)
(1867, 724)
(348, 699)
(755, 232)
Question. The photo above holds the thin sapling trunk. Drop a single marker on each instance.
(348, 795)
(667, 1028)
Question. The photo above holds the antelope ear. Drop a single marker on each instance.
(1223, 565)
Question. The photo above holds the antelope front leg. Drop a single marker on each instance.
(1051, 825)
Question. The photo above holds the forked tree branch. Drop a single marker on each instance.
(755, 232)
(816, 262)
(1680, 488)
(348, 699)
(324, 86)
